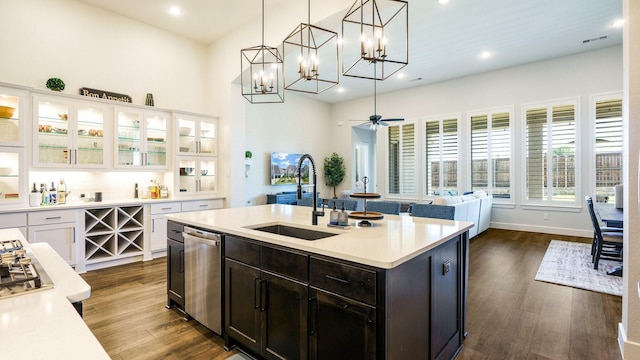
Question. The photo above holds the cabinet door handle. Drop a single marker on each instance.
(181, 252)
(263, 295)
(153, 225)
(75, 156)
(335, 278)
(69, 152)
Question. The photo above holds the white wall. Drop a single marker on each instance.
(579, 75)
(89, 47)
(299, 125)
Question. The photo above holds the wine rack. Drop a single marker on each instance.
(114, 232)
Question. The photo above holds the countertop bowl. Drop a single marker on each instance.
(185, 130)
(5, 170)
(7, 111)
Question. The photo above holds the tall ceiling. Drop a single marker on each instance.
(445, 40)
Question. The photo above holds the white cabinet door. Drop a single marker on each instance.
(61, 237)
(159, 224)
(142, 138)
(14, 116)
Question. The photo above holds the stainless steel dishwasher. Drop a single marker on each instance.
(203, 283)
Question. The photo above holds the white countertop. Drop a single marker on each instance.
(389, 243)
(43, 324)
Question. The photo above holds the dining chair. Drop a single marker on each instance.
(349, 205)
(385, 207)
(433, 211)
(607, 245)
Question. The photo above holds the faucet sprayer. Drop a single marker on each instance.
(315, 213)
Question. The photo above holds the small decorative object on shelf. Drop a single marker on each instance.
(248, 154)
(55, 84)
(365, 215)
(149, 100)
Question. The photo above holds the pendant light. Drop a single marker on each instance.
(375, 33)
(311, 58)
(261, 73)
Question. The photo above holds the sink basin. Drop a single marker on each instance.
(292, 231)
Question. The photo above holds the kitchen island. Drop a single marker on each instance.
(43, 323)
(396, 290)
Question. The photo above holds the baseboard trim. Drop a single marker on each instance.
(628, 349)
(542, 229)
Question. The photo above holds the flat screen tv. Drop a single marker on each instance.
(284, 169)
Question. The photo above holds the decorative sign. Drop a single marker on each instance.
(104, 95)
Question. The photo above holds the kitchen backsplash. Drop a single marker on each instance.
(113, 185)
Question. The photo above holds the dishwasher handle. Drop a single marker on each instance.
(201, 233)
(200, 240)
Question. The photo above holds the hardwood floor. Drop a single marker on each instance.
(510, 315)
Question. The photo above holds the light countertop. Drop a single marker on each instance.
(43, 324)
(389, 243)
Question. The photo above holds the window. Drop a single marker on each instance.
(491, 139)
(608, 147)
(402, 160)
(550, 153)
(441, 156)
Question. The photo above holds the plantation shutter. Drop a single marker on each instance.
(408, 183)
(450, 155)
(432, 158)
(501, 155)
(608, 147)
(479, 152)
(536, 149)
(564, 150)
(394, 160)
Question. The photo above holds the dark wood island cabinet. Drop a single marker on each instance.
(286, 304)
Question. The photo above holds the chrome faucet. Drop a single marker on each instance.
(315, 213)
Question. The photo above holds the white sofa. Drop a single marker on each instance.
(475, 208)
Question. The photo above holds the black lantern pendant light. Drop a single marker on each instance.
(375, 33)
(262, 73)
(311, 58)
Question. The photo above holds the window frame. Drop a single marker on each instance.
(423, 158)
(593, 100)
(402, 195)
(550, 202)
(490, 112)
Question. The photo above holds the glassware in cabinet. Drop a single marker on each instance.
(52, 133)
(14, 115)
(196, 175)
(157, 140)
(195, 134)
(13, 179)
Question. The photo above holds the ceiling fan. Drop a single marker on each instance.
(375, 120)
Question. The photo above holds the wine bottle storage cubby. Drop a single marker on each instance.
(113, 232)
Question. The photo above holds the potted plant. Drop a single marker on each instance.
(55, 84)
(334, 171)
(248, 154)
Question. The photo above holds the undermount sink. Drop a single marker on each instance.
(292, 231)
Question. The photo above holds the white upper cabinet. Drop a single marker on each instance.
(142, 138)
(70, 133)
(196, 135)
(14, 116)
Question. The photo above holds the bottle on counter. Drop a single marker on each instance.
(62, 192)
(53, 194)
(35, 198)
(164, 192)
(333, 218)
(153, 190)
(343, 217)
(45, 194)
(135, 191)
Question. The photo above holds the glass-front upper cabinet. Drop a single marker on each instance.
(142, 138)
(14, 115)
(70, 133)
(196, 175)
(13, 179)
(196, 134)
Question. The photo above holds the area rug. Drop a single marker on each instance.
(569, 263)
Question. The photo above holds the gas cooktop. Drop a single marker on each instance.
(18, 273)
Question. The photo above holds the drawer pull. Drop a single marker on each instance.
(331, 277)
(54, 218)
(167, 208)
(204, 205)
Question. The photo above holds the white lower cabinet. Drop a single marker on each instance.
(158, 225)
(14, 220)
(57, 228)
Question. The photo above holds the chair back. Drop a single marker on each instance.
(433, 211)
(349, 205)
(594, 219)
(306, 201)
(385, 207)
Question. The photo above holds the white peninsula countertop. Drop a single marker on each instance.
(387, 244)
(43, 324)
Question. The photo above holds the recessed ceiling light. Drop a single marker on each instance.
(175, 11)
(617, 23)
(443, 1)
(400, 75)
(485, 55)
(340, 89)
